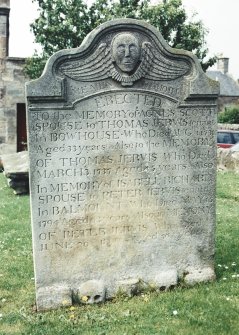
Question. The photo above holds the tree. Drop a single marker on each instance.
(65, 23)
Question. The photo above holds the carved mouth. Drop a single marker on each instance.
(127, 63)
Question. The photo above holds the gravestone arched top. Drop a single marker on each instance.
(150, 58)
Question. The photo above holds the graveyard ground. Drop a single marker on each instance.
(210, 308)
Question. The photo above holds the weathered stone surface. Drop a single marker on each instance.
(166, 279)
(54, 296)
(91, 292)
(122, 143)
(16, 170)
(129, 287)
(195, 275)
(227, 160)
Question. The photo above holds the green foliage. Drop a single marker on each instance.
(210, 308)
(65, 23)
(35, 65)
(230, 115)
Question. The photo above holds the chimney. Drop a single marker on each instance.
(4, 27)
(223, 64)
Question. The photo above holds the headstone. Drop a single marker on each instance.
(16, 170)
(122, 143)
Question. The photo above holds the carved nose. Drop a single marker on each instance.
(127, 52)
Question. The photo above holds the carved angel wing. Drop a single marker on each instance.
(154, 65)
(158, 67)
(95, 67)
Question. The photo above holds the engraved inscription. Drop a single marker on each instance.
(142, 137)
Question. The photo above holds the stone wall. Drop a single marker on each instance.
(12, 92)
(228, 126)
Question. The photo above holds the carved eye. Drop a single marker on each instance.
(97, 298)
(121, 49)
(133, 49)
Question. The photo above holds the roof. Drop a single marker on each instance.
(228, 86)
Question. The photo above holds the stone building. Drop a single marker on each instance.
(229, 88)
(12, 91)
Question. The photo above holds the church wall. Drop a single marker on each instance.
(12, 92)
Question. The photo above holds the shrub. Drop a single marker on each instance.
(230, 115)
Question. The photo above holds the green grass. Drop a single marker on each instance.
(204, 309)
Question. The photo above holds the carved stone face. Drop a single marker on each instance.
(126, 52)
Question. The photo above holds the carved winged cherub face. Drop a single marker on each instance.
(126, 52)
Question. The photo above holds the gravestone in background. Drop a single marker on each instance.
(122, 143)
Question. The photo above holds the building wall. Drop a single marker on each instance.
(12, 86)
(12, 92)
(227, 101)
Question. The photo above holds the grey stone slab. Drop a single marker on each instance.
(16, 162)
(122, 145)
(16, 170)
